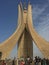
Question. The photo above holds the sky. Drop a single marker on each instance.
(9, 16)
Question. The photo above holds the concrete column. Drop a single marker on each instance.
(25, 45)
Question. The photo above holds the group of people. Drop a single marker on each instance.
(45, 61)
(39, 61)
(7, 62)
(3, 62)
(26, 61)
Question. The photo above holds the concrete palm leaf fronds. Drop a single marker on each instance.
(24, 35)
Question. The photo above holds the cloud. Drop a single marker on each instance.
(37, 11)
(48, 0)
(41, 23)
(40, 17)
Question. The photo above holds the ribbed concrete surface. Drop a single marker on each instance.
(25, 45)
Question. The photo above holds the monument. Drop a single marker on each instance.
(24, 35)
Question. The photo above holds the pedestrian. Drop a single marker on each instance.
(13, 62)
(3, 63)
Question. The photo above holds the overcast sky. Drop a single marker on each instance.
(9, 15)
